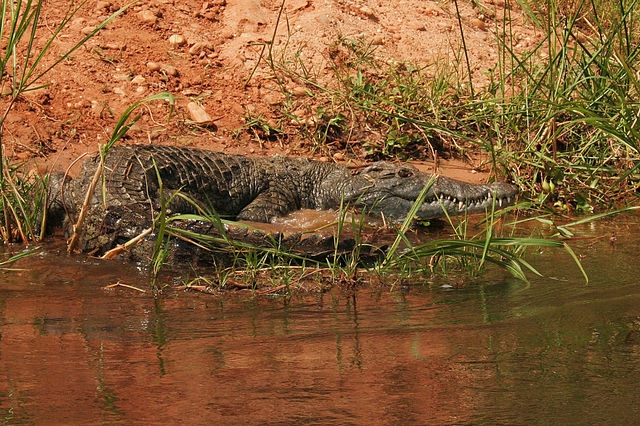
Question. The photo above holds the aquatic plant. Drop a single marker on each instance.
(5, 263)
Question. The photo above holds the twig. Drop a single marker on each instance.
(85, 205)
(271, 290)
(122, 247)
(62, 184)
(119, 284)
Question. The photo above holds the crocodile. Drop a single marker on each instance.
(138, 182)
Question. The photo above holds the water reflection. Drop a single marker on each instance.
(497, 351)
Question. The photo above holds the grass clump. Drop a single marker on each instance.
(572, 115)
(365, 107)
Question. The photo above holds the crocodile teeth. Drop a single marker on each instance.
(461, 205)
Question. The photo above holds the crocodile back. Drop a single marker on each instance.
(135, 174)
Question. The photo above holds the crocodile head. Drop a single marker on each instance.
(392, 189)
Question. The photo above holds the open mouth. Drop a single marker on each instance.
(450, 202)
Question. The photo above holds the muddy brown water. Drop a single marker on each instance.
(498, 351)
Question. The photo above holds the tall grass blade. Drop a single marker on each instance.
(401, 232)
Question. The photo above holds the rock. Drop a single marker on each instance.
(377, 40)
(368, 12)
(103, 6)
(479, 24)
(148, 17)
(153, 66)
(170, 70)
(177, 40)
(87, 30)
(199, 48)
(299, 91)
(324, 19)
(198, 114)
(114, 46)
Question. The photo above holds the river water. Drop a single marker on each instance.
(497, 351)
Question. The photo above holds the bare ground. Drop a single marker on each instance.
(213, 53)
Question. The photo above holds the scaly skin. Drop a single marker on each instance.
(247, 188)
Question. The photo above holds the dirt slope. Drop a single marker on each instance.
(213, 53)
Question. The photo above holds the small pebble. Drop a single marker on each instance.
(177, 40)
(479, 24)
(324, 19)
(377, 40)
(87, 30)
(299, 91)
(148, 17)
(138, 79)
(115, 46)
(170, 70)
(103, 5)
(199, 48)
(197, 113)
(153, 66)
(366, 10)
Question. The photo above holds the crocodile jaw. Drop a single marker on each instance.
(452, 205)
(448, 197)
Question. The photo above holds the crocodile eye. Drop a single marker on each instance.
(405, 173)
